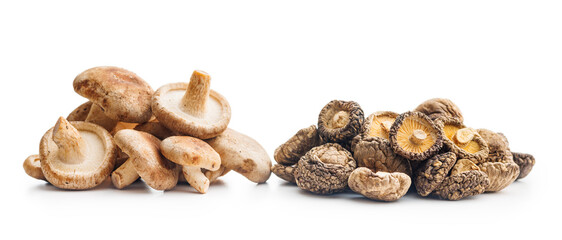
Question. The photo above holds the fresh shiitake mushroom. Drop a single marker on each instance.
(415, 137)
(32, 166)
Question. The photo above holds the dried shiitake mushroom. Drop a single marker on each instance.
(378, 124)
(465, 142)
(286, 173)
(440, 107)
(432, 172)
(382, 186)
(339, 121)
(376, 154)
(325, 169)
(525, 162)
(498, 146)
(500, 174)
(415, 137)
(291, 151)
(463, 165)
(32, 166)
(463, 183)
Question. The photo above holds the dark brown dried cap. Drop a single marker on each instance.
(325, 169)
(376, 154)
(465, 142)
(463, 185)
(525, 162)
(382, 186)
(500, 174)
(378, 124)
(286, 173)
(440, 107)
(432, 172)
(415, 137)
(291, 151)
(122, 94)
(80, 113)
(498, 146)
(340, 121)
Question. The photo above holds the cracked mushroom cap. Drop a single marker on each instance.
(525, 161)
(378, 124)
(192, 108)
(77, 155)
(144, 149)
(286, 173)
(382, 186)
(498, 146)
(415, 137)
(432, 172)
(325, 169)
(80, 113)
(464, 183)
(121, 94)
(500, 174)
(291, 151)
(376, 154)
(339, 121)
(32, 166)
(440, 107)
(463, 141)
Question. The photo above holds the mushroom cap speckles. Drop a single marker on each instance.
(415, 137)
(121, 94)
(325, 169)
(286, 173)
(376, 154)
(32, 166)
(144, 149)
(474, 147)
(382, 186)
(464, 184)
(500, 174)
(525, 162)
(440, 107)
(291, 151)
(167, 107)
(340, 121)
(190, 151)
(378, 124)
(432, 172)
(92, 171)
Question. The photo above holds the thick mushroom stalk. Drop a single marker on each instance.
(463, 137)
(68, 140)
(340, 119)
(417, 137)
(195, 99)
(196, 178)
(125, 175)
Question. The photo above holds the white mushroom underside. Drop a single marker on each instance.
(213, 109)
(94, 155)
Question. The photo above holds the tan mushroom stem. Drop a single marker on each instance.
(340, 119)
(195, 99)
(97, 116)
(385, 126)
(70, 143)
(125, 175)
(463, 136)
(196, 178)
(418, 136)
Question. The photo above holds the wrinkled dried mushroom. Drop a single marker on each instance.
(382, 186)
(440, 107)
(378, 124)
(498, 146)
(525, 162)
(465, 142)
(291, 151)
(464, 183)
(286, 173)
(500, 174)
(339, 121)
(376, 154)
(432, 172)
(415, 137)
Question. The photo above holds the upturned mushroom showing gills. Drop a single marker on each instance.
(76, 155)
(378, 124)
(192, 108)
(415, 137)
(465, 142)
(339, 121)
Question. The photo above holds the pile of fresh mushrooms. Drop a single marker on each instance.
(381, 156)
(127, 131)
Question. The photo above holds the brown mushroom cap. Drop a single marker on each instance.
(155, 128)
(463, 165)
(77, 155)
(376, 154)
(242, 154)
(525, 162)
(32, 166)
(286, 173)
(291, 151)
(500, 174)
(80, 113)
(464, 184)
(440, 107)
(378, 124)
(465, 142)
(190, 151)
(144, 149)
(498, 146)
(192, 109)
(121, 94)
(382, 186)
(415, 137)
(98, 116)
(339, 121)
(325, 169)
(432, 172)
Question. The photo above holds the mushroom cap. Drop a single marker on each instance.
(190, 151)
(340, 121)
(498, 146)
(500, 174)
(376, 154)
(155, 128)
(32, 166)
(92, 171)
(378, 124)
(476, 149)
(286, 173)
(144, 149)
(463, 165)
(122, 95)
(382, 186)
(325, 169)
(81, 112)
(291, 151)
(242, 154)
(166, 106)
(464, 184)
(440, 107)
(415, 124)
(525, 161)
(432, 172)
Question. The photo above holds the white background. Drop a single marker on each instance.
(278, 64)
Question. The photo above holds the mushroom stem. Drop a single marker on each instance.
(195, 99)
(70, 143)
(385, 126)
(196, 178)
(463, 136)
(97, 116)
(125, 175)
(418, 136)
(340, 119)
